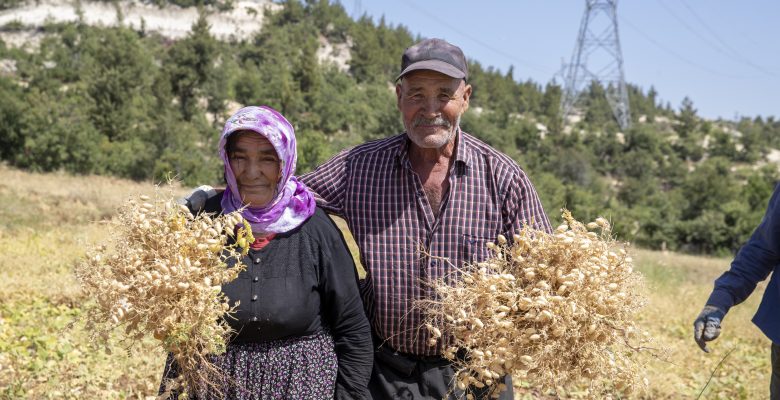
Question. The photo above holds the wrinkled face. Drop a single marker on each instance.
(256, 166)
(431, 104)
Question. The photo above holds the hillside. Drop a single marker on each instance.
(48, 220)
(145, 101)
(171, 21)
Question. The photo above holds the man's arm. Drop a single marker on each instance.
(522, 206)
(329, 183)
(197, 199)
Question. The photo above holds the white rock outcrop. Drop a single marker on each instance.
(170, 21)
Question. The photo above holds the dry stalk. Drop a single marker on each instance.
(159, 274)
(713, 373)
(552, 309)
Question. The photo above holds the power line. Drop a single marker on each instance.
(529, 64)
(723, 43)
(695, 32)
(679, 56)
(709, 30)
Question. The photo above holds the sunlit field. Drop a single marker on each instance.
(47, 220)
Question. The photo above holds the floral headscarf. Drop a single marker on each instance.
(293, 202)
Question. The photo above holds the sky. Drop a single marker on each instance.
(723, 55)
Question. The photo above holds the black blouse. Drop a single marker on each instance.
(302, 282)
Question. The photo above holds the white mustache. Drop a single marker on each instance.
(435, 121)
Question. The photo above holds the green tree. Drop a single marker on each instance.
(190, 66)
(58, 135)
(708, 186)
(687, 120)
(12, 108)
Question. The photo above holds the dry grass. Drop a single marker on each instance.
(51, 200)
(46, 220)
(679, 286)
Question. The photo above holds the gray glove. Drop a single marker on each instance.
(196, 200)
(707, 326)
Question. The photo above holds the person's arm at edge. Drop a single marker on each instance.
(344, 313)
(753, 263)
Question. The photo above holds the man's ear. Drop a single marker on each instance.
(466, 97)
(398, 95)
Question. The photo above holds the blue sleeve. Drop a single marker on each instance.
(754, 261)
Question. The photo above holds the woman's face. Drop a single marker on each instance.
(256, 166)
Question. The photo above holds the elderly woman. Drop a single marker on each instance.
(301, 329)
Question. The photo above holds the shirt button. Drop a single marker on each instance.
(434, 263)
(254, 319)
(257, 260)
(255, 279)
(254, 297)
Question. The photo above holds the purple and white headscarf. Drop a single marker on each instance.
(293, 202)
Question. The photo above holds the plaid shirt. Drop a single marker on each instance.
(402, 245)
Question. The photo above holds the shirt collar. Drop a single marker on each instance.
(462, 155)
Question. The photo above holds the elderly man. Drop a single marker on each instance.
(419, 205)
(754, 262)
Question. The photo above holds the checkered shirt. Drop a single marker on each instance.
(403, 246)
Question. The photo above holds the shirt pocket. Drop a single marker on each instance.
(474, 248)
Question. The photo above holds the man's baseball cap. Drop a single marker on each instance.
(436, 55)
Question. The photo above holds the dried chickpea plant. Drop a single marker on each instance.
(160, 274)
(551, 309)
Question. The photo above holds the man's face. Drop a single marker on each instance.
(431, 104)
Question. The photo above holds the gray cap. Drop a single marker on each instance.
(436, 55)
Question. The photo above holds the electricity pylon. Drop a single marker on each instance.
(597, 57)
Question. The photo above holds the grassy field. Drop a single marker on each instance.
(47, 220)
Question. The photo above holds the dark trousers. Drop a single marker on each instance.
(774, 385)
(398, 376)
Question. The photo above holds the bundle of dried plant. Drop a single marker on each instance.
(160, 274)
(551, 309)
